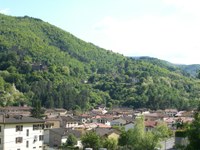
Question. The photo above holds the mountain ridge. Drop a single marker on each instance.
(50, 65)
(190, 70)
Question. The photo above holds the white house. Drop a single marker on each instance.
(21, 133)
(70, 121)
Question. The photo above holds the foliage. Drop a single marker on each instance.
(138, 139)
(181, 133)
(37, 111)
(71, 140)
(91, 140)
(48, 64)
(194, 134)
(110, 144)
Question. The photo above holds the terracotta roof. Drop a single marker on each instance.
(150, 123)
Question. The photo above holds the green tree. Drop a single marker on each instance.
(71, 140)
(149, 142)
(194, 133)
(138, 139)
(91, 140)
(162, 131)
(133, 137)
(2, 82)
(110, 144)
(37, 111)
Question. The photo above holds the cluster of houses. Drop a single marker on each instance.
(20, 131)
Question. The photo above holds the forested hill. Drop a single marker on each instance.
(40, 62)
(188, 70)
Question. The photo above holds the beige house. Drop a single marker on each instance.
(109, 133)
(55, 122)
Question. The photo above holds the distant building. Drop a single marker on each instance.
(55, 112)
(59, 136)
(99, 110)
(20, 132)
(55, 122)
(70, 121)
(171, 112)
(16, 110)
(108, 133)
(129, 125)
(118, 122)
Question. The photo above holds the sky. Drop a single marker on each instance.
(164, 29)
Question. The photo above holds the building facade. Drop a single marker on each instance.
(21, 133)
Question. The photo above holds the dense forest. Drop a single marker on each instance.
(40, 62)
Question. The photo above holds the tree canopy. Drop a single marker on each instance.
(48, 64)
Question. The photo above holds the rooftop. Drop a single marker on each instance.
(6, 119)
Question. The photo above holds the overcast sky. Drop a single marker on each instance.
(165, 29)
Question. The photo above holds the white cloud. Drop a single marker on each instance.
(171, 38)
(5, 11)
(186, 6)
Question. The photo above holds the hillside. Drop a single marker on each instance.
(192, 70)
(188, 70)
(50, 65)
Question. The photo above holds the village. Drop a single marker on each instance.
(19, 130)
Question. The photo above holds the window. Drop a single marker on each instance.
(27, 132)
(35, 138)
(0, 140)
(38, 126)
(19, 128)
(41, 137)
(0, 128)
(27, 144)
(18, 140)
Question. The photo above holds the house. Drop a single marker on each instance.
(21, 132)
(85, 118)
(170, 121)
(128, 118)
(121, 111)
(154, 116)
(171, 112)
(118, 122)
(70, 121)
(185, 114)
(150, 125)
(108, 133)
(104, 119)
(16, 110)
(128, 126)
(55, 112)
(90, 126)
(54, 121)
(99, 110)
(58, 136)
